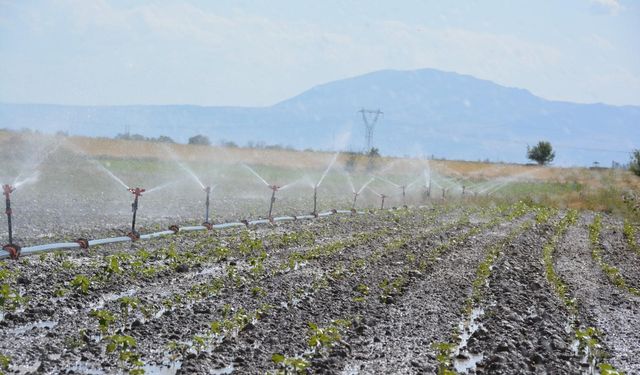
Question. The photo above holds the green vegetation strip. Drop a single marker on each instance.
(612, 272)
(445, 350)
(589, 337)
(629, 233)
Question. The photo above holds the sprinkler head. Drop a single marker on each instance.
(274, 187)
(207, 189)
(7, 190)
(13, 250)
(136, 191)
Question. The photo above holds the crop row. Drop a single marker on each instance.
(612, 272)
(589, 338)
(445, 351)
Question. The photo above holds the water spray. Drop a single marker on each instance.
(11, 248)
(273, 188)
(137, 193)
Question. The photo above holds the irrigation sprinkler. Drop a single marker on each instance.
(137, 193)
(382, 197)
(463, 189)
(11, 248)
(273, 188)
(404, 194)
(207, 189)
(315, 201)
(353, 205)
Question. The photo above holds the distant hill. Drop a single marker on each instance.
(426, 112)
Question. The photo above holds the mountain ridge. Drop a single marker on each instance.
(426, 111)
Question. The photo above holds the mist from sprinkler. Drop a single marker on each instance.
(274, 188)
(317, 185)
(359, 191)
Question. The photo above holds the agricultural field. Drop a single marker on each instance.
(477, 268)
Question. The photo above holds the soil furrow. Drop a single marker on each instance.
(605, 307)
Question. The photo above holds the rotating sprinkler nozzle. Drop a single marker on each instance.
(404, 194)
(273, 188)
(137, 193)
(206, 223)
(11, 248)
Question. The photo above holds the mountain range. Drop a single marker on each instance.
(426, 112)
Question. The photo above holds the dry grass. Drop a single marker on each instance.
(592, 179)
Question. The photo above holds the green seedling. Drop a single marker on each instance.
(105, 319)
(124, 345)
(288, 365)
(5, 361)
(127, 304)
(81, 284)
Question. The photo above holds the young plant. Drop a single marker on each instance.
(81, 284)
(105, 319)
(127, 304)
(287, 365)
(124, 346)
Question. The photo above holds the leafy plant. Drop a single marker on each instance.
(81, 284)
(10, 299)
(322, 338)
(124, 345)
(127, 304)
(113, 265)
(297, 365)
(5, 361)
(105, 319)
(444, 350)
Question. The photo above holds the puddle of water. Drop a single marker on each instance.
(164, 369)
(111, 297)
(30, 369)
(223, 371)
(586, 359)
(85, 368)
(44, 324)
(464, 361)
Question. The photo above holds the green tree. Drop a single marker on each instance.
(542, 153)
(634, 164)
(199, 140)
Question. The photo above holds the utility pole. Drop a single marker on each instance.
(369, 118)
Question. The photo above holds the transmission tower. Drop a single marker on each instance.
(369, 118)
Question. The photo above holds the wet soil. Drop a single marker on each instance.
(602, 305)
(347, 294)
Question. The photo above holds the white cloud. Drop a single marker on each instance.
(606, 6)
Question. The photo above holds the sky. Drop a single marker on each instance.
(257, 53)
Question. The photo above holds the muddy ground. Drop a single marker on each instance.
(407, 291)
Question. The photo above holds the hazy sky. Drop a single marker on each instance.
(261, 52)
